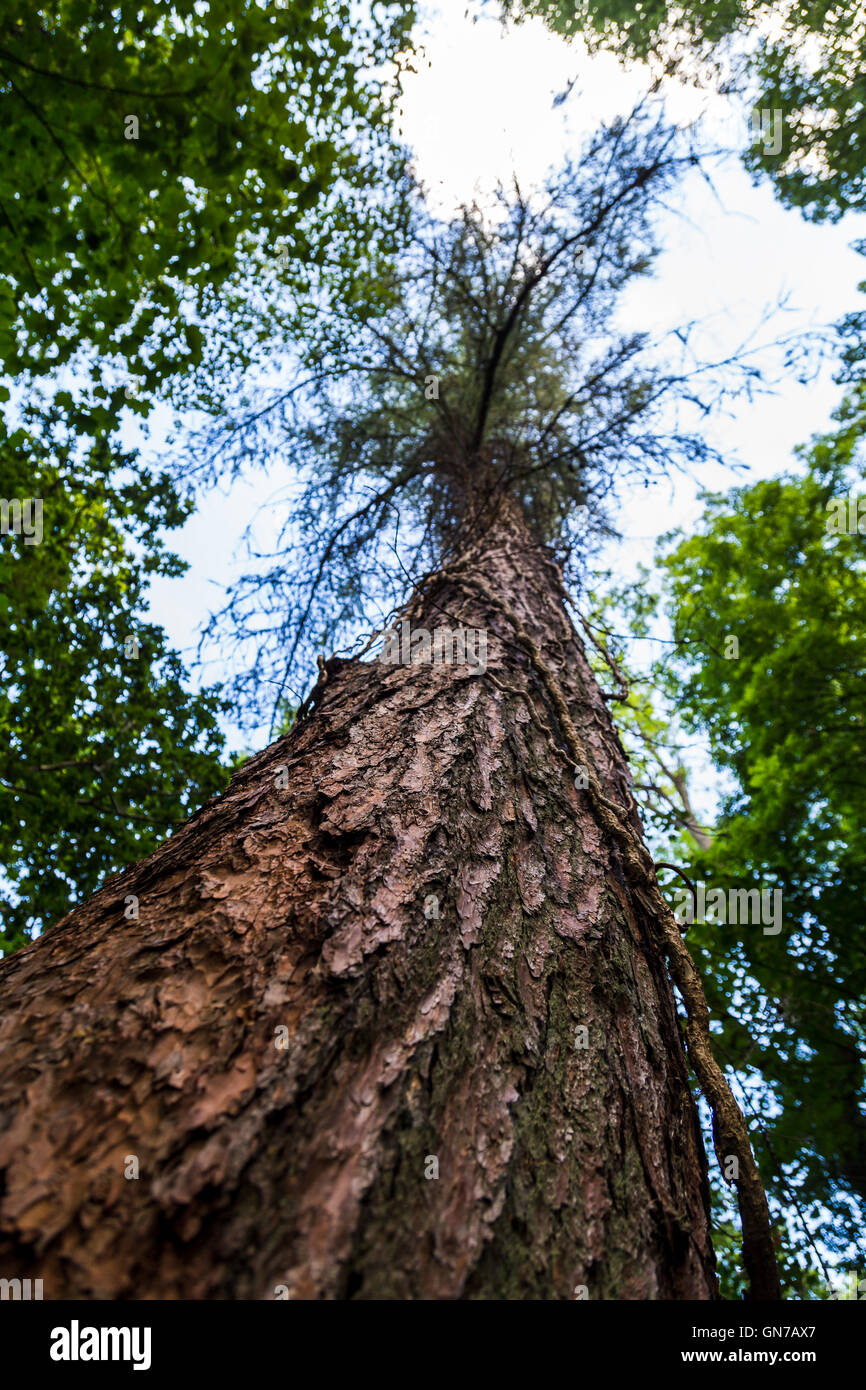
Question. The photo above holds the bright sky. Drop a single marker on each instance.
(481, 108)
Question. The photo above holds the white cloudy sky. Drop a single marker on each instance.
(481, 108)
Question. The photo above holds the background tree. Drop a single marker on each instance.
(396, 1015)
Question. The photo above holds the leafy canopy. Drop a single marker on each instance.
(146, 148)
(803, 58)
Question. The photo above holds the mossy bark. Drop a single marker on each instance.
(525, 1038)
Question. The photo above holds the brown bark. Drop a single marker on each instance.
(409, 1036)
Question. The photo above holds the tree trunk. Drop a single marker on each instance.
(524, 1042)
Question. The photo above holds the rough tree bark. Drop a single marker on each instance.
(409, 1036)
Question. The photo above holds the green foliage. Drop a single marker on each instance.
(102, 747)
(799, 1283)
(805, 58)
(822, 168)
(785, 723)
(243, 116)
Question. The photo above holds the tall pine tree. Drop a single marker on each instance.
(395, 1016)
